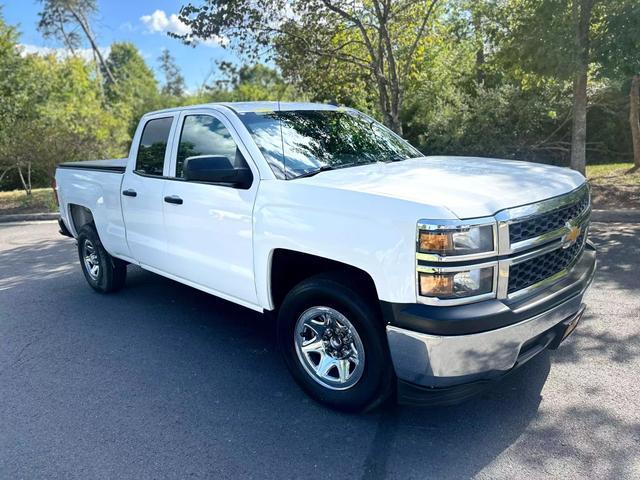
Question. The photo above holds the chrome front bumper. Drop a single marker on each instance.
(436, 361)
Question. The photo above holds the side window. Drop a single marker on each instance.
(206, 135)
(153, 146)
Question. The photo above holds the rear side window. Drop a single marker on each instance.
(153, 146)
(206, 135)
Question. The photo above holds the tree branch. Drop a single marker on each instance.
(418, 37)
(357, 22)
(82, 21)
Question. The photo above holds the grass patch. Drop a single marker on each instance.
(612, 174)
(15, 202)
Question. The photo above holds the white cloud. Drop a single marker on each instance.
(160, 22)
(127, 27)
(61, 53)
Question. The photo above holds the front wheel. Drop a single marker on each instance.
(103, 272)
(333, 342)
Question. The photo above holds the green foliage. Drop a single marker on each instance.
(13, 97)
(52, 110)
(379, 42)
(70, 122)
(617, 40)
(247, 83)
(173, 80)
(136, 89)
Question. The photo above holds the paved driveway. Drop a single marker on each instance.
(163, 381)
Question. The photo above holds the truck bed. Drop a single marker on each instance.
(96, 186)
(115, 165)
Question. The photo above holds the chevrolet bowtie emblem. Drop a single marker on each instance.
(572, 235)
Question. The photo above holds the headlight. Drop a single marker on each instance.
(459, 284)
(466, 240)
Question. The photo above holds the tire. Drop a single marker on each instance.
(353, 382)
(103, 272)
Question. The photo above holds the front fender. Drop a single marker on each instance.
(372, 233)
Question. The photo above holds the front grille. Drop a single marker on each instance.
(530, 272)
(547, 222)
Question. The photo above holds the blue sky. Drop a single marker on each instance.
(141, 22)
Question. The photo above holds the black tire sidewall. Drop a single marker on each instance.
(328, 291)
(105, 277)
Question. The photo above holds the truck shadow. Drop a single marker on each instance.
(397, 441)
(618, 259)
(401, 441)
(456, 441)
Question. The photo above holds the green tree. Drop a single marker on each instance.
(553, 38)
(173, 80)
(616, 47)
(18, 94)
(384, 40)
(247, 83)
(71, 123)
(51, 110)
(136, 90)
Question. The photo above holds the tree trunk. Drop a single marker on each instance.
(480, 59)
(396, 105)
(82, 21)
(24, 184)
(6, 170)
(634, 120)
(579, 130)
(582, 21)
(29, 177)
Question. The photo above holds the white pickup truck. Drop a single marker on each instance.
(389, 272)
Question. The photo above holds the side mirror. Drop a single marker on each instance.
(216, 169)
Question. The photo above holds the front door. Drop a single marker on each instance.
(209, 227)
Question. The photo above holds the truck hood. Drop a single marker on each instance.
(469, 187)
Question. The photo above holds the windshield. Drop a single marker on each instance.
(314, 140)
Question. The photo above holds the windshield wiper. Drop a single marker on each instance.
(323, 168)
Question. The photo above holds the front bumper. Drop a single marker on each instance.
(436, 360)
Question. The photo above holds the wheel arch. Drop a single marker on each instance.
(290, 267)
(80, 216)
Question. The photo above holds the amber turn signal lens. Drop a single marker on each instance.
(466, 283)
(436, 285)
(435, 242)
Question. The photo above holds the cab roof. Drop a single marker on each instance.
(246, 107)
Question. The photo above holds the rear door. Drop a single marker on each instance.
(142, 189)
(209, 227)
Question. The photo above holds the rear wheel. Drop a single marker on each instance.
(334, 344)
(103, 272)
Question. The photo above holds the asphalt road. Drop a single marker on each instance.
(163, 381)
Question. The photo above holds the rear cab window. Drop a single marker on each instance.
(153, 146)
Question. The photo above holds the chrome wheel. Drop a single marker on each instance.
(91, 260)
(329, 348)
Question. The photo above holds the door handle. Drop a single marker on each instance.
(173, 199)
(130, 193)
